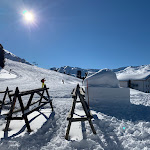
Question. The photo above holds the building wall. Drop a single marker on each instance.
(141, 85)
(147, 85)
(138, 85)
(123, 84)
(107, 96)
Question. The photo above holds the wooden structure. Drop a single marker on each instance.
(79, 92)
(3, 102)
(25, 110)
(139, 83)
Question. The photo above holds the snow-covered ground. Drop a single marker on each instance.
(124, 127)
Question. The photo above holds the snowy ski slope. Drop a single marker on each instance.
(125, 128)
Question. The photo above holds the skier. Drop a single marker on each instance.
(43, 80)
(63, 81)
(10, 71)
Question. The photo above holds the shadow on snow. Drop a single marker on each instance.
(129, 111)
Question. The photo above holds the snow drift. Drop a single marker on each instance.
(103, 78)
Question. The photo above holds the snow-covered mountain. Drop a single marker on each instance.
(133, 72)
(121, 73)
(11, 56)
(73, 70)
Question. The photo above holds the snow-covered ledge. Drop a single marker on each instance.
(103, 88)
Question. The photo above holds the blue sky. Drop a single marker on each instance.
(79, 33)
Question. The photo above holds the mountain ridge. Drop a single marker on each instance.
(138, 70)
(123, 73)
(11, 56)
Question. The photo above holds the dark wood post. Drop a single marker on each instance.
(49, 98)
(24, 116)
(11, 110)
(80, 93)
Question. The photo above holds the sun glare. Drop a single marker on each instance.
(28, 16)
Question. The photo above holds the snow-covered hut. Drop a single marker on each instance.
(141, 83)
(103, 87)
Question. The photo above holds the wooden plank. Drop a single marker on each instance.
(78, 119)
(6, 91)
(11, 109)
(35, 109)
(22, 109)
(81, 94)
(14, 118)
(29, 91)
(27, 123)
(25, 108)
(19, 95)
(41, 97)
(5, 95)
(84, 106)
(68, 130)
(32, 91)
(30, 99)
(49, 98)
(92, 127)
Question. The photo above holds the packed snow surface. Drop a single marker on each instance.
(4, 74)
(103, 78)
(118, 128)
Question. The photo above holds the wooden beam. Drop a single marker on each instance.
(11, 109)
(81, 94)
(18, 95)
(30, 99)
(32, 91)
(14, 118)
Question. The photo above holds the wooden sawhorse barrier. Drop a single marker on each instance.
(79, 92)
(25, 109)
(2, 103)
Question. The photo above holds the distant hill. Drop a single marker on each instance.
(73, 70)
(133, 72)
(11, 56)
(122, 73)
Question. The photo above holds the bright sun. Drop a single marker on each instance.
(29, 17)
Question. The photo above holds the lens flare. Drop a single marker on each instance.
(25, 11)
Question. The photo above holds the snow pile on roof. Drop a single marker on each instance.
(103, 78)
(134, 73)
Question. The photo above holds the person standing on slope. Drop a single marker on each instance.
(43, 80)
